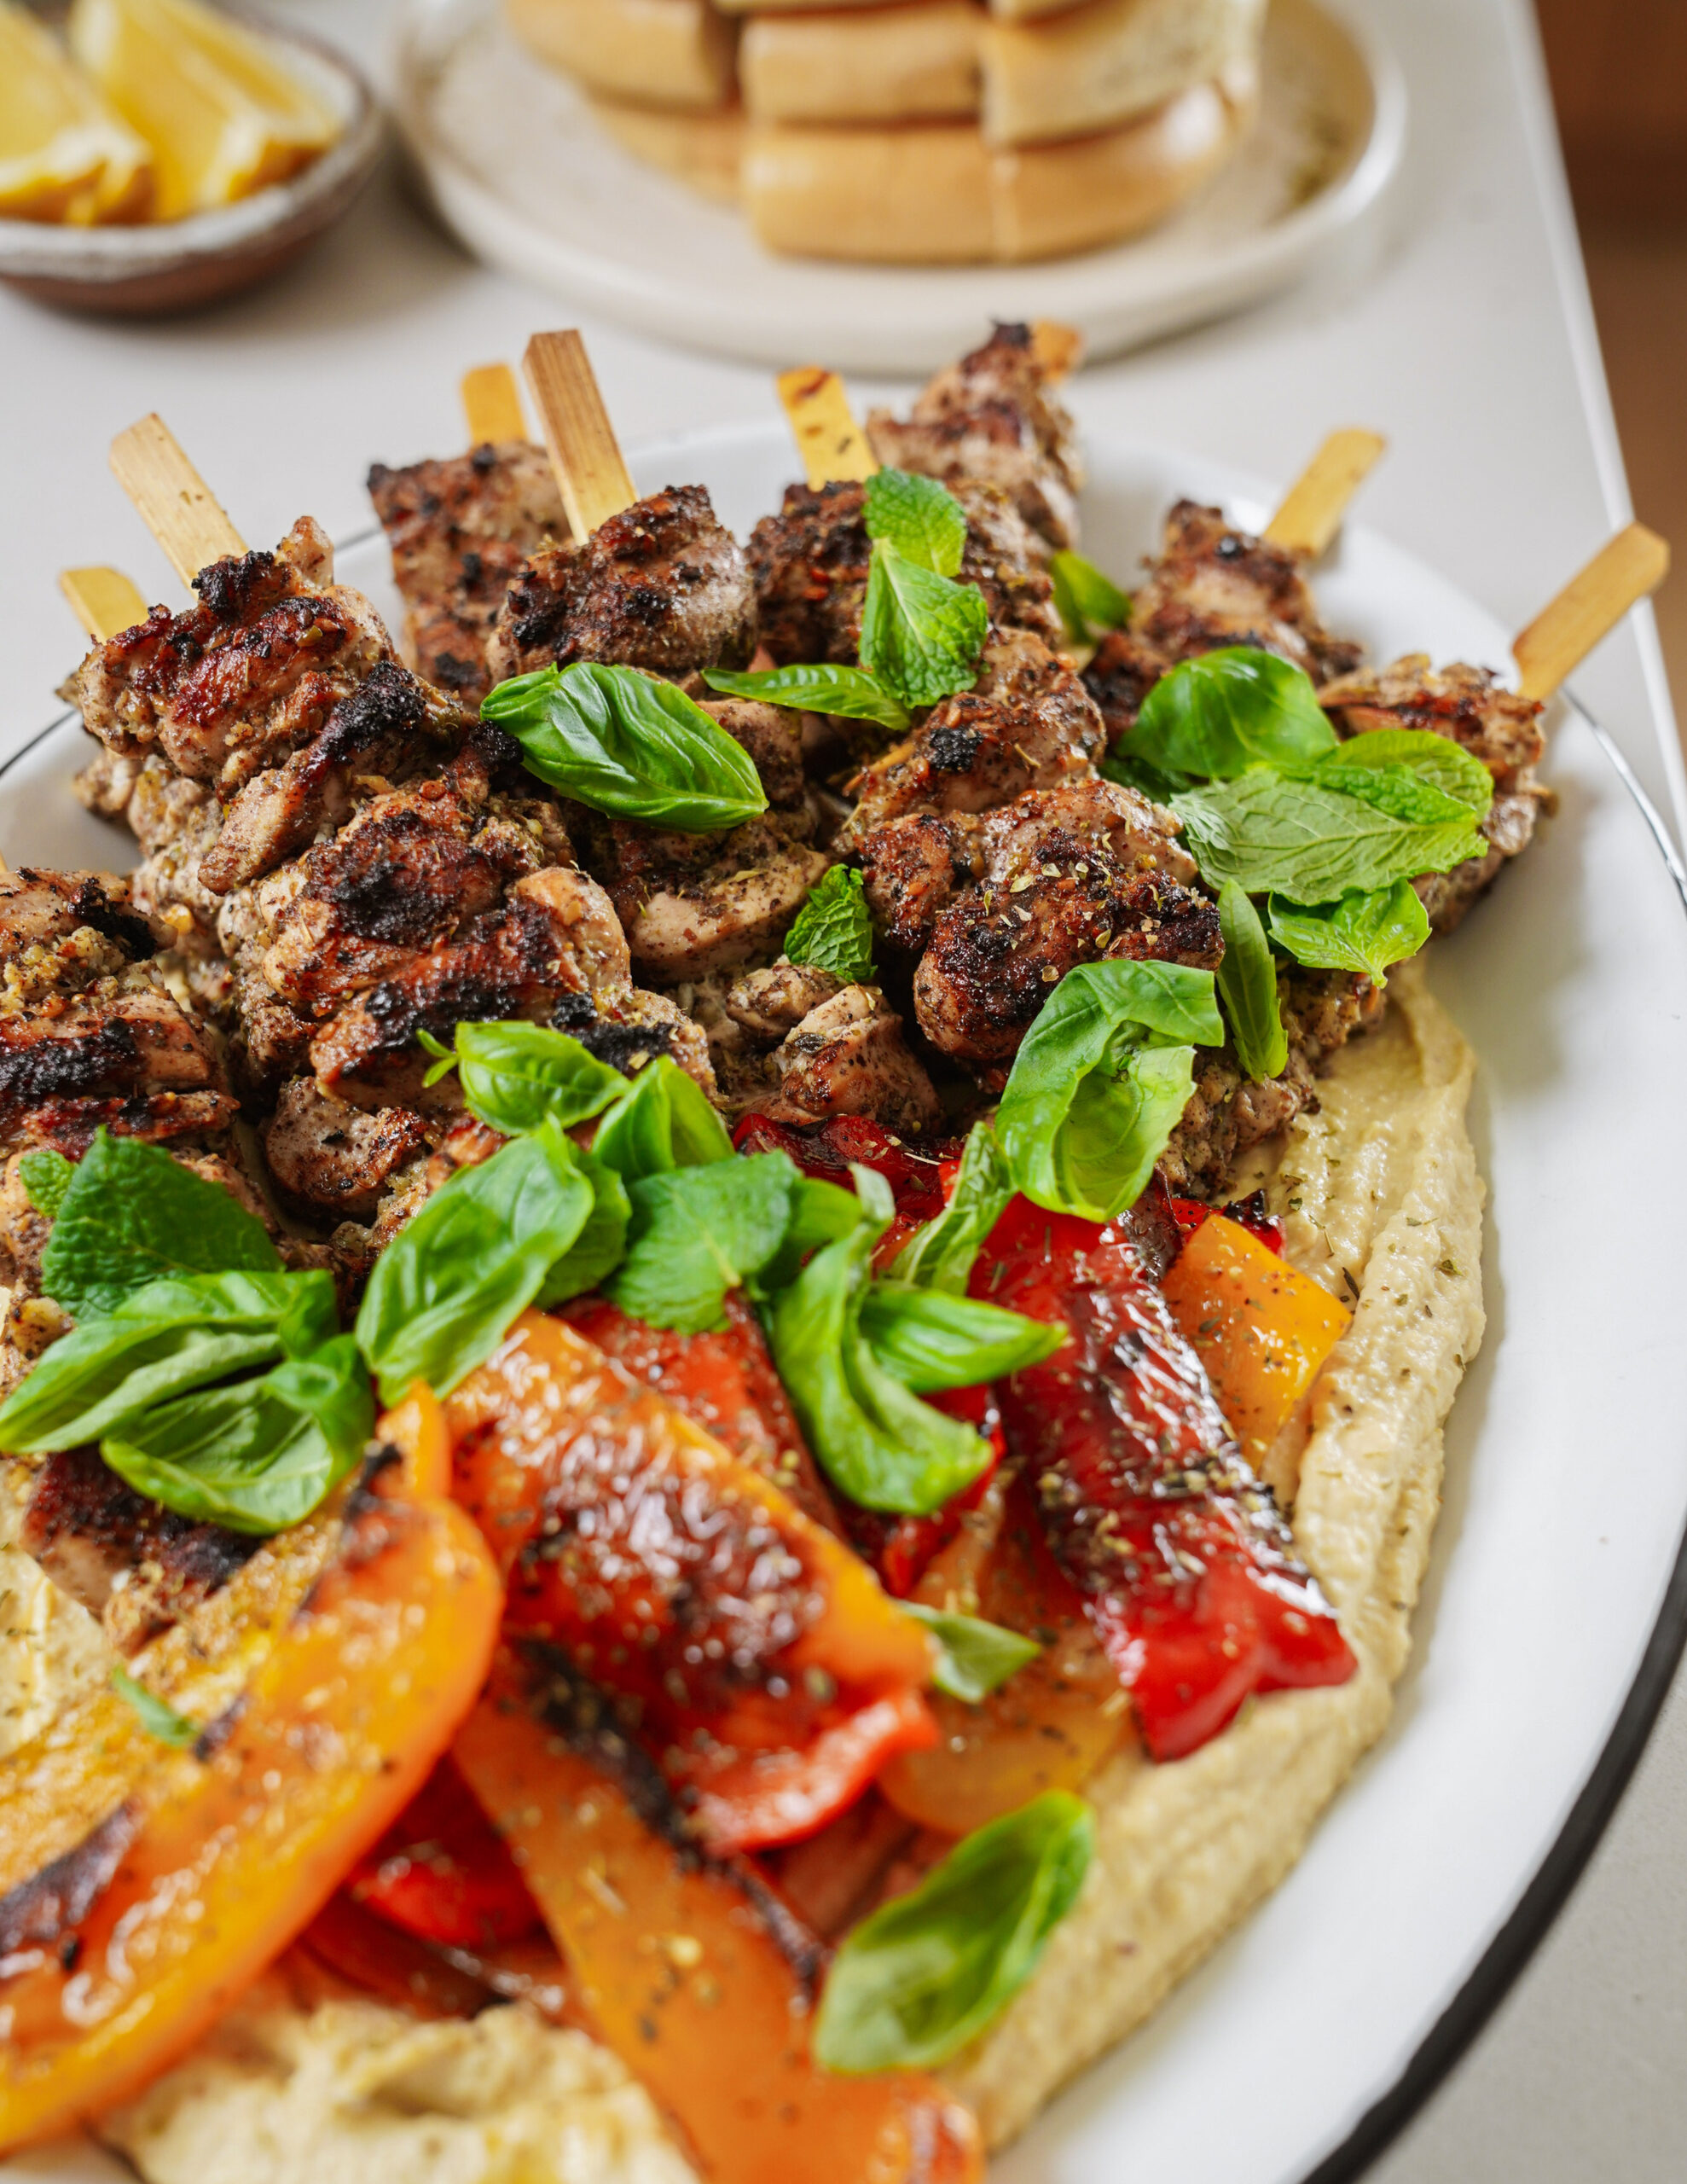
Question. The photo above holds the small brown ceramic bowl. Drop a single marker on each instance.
(172, 266)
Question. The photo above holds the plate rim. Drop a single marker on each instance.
(1509, 1951)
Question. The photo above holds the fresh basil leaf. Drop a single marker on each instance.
(849, 692)
(834, 929)
(974, 1657)
(132, 1215)
(515, 1075)
(939, 1255)
(697, 1232)
(1101, 1082)
(46, 1178)
(163, 1341)
(628, 744)
(1084, 600)
(444, 1058)
(1312, 843)
(157, 1717)
(1223, 712)
(600, 1245)
(1435, 759)
(931, 1340)
(920, 518)
(920, 634)
(929, 1970)
(258, 1456)
(876, 1441)
(822, 1213)
(663, 1120)
(1248, 987)
(448, 1287)
(1361, 932)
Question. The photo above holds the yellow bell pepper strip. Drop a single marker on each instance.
(693, 1971)
(117, 1954)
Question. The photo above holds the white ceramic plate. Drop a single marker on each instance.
(518, 168)
(1555, 1606)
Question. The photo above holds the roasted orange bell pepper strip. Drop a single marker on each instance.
(693, 1973)
(763, 1658)
(416, 1427)
(1261, 1330)
(118, 1956)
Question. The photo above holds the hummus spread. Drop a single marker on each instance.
(1383, 1204)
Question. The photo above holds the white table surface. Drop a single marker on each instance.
(1462, 332)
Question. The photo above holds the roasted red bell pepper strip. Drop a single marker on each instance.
(442, 1872)
(920, 1182)
(901, 1547)
(1251, 1213)
(1188, 1572)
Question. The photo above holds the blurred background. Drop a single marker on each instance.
(1619, 70)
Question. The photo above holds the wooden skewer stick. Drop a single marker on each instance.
(178, 508)
(1589, 607)
(832, 445)
(1059, 349)
(103, 601)
(1312, 512)
(585, 454)
(492, 406)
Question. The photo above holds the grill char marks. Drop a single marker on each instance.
(45, 1910)
(662, 586)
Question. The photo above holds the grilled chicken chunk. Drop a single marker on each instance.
(331, 1160)
(1495, 725)
(769, 1002)
(991, 419)
(1070, 875)
(460, 531)
(913, 868)
(810, 565)
(663, 585)
(848, 1056)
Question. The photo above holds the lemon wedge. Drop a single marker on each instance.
(223, 113)
(64, 154)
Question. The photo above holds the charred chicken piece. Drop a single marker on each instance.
(1122, 669)
(768, 1004)
(1029, 724)
(810, 565)
(913, 868)
(332, 1159)
(1070, 875)
(992, 418)
(460, 530)
(1495, 725)
(848, 1056)
(662, 586)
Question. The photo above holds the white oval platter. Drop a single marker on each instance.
(1555, 1608)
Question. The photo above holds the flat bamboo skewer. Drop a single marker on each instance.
(831, 442)
(492, 406)
(1059, 349)
(103, 601)
(591, 474)
(1621, 574)
(1313, 509)
(178, 508)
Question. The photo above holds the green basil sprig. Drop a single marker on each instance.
(628, 744)
(834, 929)
(917, 518)
(1101, 1081)
(663, 1119)
(928, 1972)
(941, 1254)
(1086, 602)
(849, 692)
(931, 1340)
(516, 1075)
(157, 1717)
(1247, 979)
(974, 1657)
(1361, 932)
(1224, 712)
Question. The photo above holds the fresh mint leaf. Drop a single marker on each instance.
(515, 1075)
(922, 519)
(1436, 760)
(939, 1255)
(929, 1340)
(873, 1437)
(822, 1213)
(1312, 844)
(849, 692)
(628, 744)
(132, 1216)
(1101, 1082)
(927, 1971)
(258, 1456)
(920, 634)
(1086, 600)
(974, 1657)
(1361, 932)
(1223, 712)
(1248, 987)
(698, 1233)
(663, 1120)
(834, 929)
(47, 1176)
(157, 1717)
(447, 1289)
